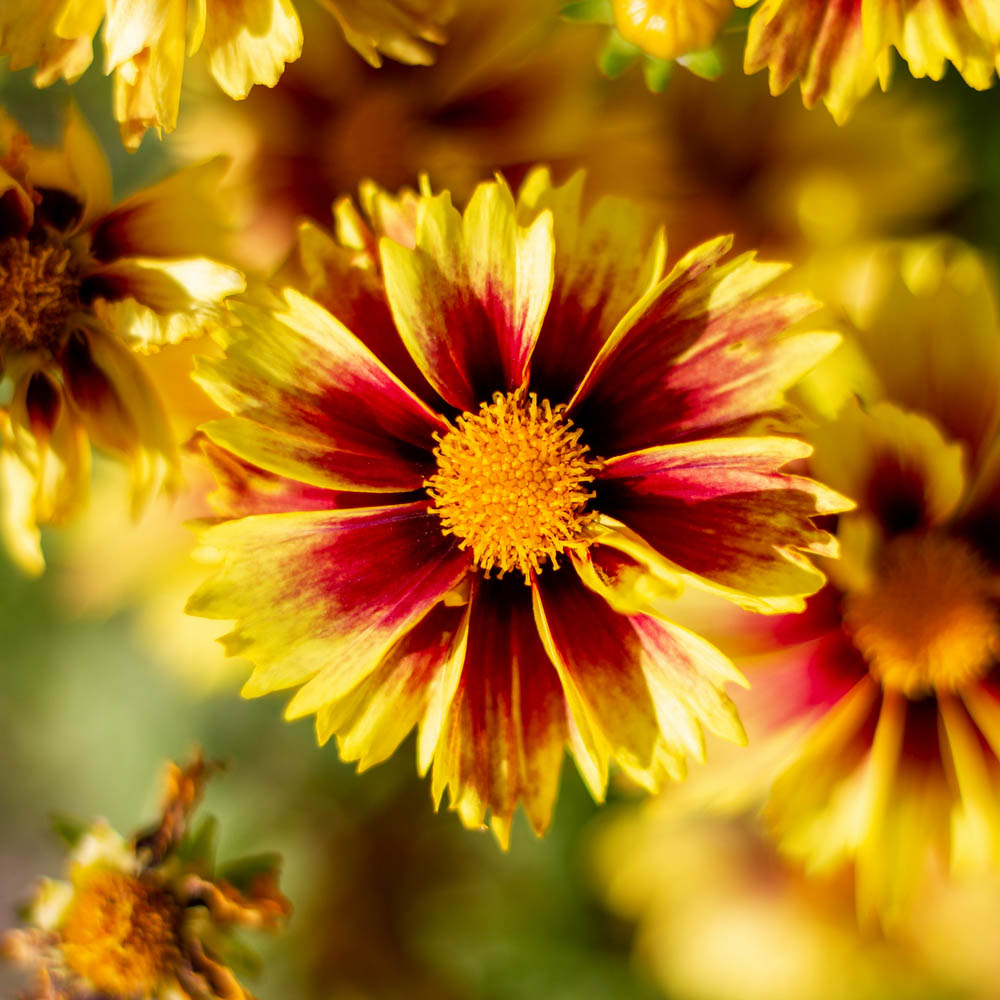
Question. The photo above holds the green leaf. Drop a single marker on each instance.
(199, 845)
(68, 829)
(657, 73)
(240, 957)
(616, 56)
(588, 11)
(243, 871)
(707, 64)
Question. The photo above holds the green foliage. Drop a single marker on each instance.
(588, 11)
(617, 55)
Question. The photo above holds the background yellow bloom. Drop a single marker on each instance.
(720, 915)
(243, 43)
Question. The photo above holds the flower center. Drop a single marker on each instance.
(512, 483)
(121, 934)
(929, 621)
(40, 290)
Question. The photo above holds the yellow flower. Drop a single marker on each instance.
(663, 32)
(893, 666)
(150, 916)
(839, 48)
(504, 439)
(243, 43)
(667, 29)
(85, 286)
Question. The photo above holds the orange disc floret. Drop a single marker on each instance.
(512, 483)
(121, 933)
(929, 621)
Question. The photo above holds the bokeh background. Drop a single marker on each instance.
(102, 679)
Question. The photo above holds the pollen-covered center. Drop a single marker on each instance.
(40, 291)
(512, 483)
(929, 621)
(121, 934)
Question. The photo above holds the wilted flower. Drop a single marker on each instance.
(85, 285)
(526, 436)
(150, 917)
(892, 668)
(247, 43)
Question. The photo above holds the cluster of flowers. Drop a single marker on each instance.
(469, 457)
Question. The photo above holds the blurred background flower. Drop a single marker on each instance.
(240, 46)
(721, 915)
(88, 286)
(838, 51)
(516, 86)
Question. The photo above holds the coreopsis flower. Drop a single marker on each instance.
(526, 437)
(85, 285)
(150, 917)
(146, 46)
(839, 49)
(892, 670)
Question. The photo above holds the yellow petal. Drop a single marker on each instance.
(897, 465)
(249, 42)
(145, 49)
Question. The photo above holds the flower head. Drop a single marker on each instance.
(892, 669)
(243, 43)
(146, 917)
(85, 286)
(506, 439)
(839, 48)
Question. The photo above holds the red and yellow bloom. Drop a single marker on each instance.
(149, 917)
(839, 48)
(86, 285)
(892, 669)
(508, 439)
